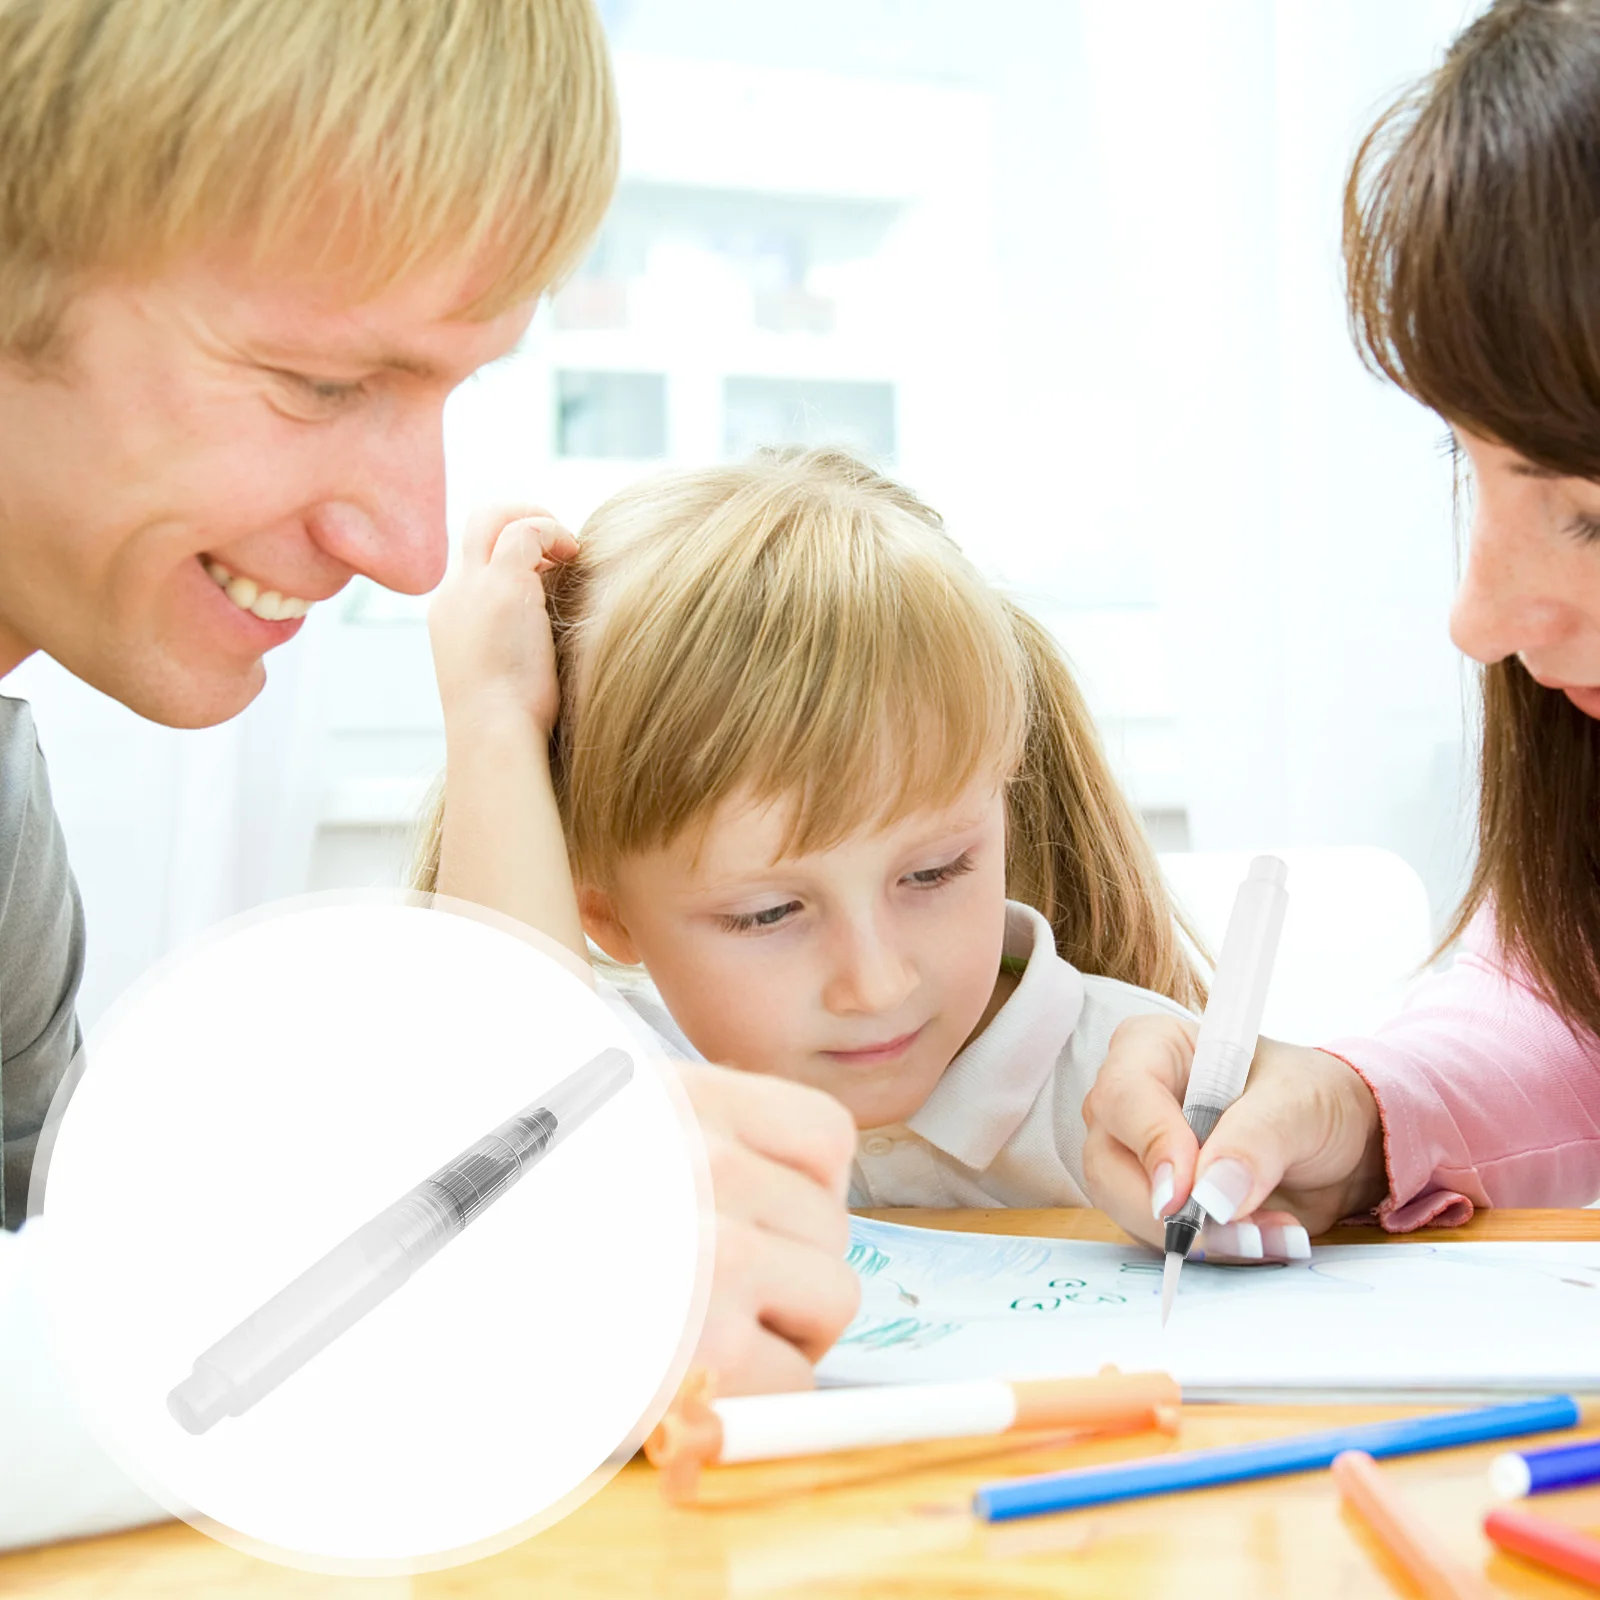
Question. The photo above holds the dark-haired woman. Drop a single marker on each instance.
(1472, 219)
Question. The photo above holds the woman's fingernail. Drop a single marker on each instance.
(1161, 1190)
(1225, 1187)
(1286, 1241)
(1241, 1240)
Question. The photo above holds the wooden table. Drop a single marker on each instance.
(894, 1523)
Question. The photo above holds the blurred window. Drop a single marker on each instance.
(807, 411)
(611, 415)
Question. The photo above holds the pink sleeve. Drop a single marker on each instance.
(1487, 1097)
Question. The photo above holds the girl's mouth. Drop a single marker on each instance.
(872, 1055)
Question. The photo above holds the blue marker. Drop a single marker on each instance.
(1200, 1469)
(1535, 1471)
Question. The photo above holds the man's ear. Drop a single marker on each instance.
(605, 927)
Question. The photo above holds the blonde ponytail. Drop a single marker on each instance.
(427, 841)
(1075, 849)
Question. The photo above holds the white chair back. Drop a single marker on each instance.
(1356, 933)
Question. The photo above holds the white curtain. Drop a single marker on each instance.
(1195, 420)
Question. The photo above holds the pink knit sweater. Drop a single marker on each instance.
(1487, 1097)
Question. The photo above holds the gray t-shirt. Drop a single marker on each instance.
(41, 954)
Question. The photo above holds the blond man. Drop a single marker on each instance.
(247, 249)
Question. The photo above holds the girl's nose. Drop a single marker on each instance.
(871, 976)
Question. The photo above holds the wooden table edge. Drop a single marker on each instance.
(88, 1563)
(1485, 1226)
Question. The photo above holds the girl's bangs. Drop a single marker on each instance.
(933, 744)
(849, 665)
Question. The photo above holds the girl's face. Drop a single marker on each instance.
(861, 969)
(1532, 584)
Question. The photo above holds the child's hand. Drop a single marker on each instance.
(492, 648)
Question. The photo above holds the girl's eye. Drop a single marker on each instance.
(932, 877)
(745, 921)
(1586, 529)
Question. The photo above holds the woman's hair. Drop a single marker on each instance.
(800, 629)
(389, 135)
(1472, 221)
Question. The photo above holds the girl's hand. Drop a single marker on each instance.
(492, 648)
(1304, 1135)
(781, 1292)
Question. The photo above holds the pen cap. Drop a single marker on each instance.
(1509, 1476)
(1539, 1471)
(577, 1097)
(1232, 1019)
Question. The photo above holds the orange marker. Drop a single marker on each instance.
(699, 1431)
(1549, 1543)
(1436, 1572)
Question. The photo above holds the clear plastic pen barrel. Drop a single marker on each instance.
(336, 1292)
(1232, 1022)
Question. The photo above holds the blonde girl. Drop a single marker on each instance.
(764, 732)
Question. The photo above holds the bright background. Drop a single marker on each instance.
(1070, 269)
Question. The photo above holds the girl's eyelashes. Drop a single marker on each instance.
(772, 916)
(932, 876)
(1586, 529)
(747, 921)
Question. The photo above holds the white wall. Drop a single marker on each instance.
(1126, 380)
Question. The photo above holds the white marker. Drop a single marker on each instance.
(701, 1431)
(1228, 1033)
(335, 1293)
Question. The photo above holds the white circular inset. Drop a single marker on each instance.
(254, 1102)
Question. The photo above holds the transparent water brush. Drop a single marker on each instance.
(1226, 1043)
(335, 1293)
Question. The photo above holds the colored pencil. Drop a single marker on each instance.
(1090, 1486)
(1434, 1570)
(1522, 1472)
(1549, 1543)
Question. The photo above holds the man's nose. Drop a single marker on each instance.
(386, 515)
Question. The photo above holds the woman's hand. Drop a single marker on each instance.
(492, 647)
(1305, 1134)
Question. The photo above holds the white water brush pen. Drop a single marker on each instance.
(335, 1293)
(1228, 1032)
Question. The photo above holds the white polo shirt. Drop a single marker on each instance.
(1004, 1125)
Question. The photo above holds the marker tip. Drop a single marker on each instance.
(1169, 1283)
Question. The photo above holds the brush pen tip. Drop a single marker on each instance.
(1169, 1283)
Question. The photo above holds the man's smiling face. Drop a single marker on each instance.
(212, 451)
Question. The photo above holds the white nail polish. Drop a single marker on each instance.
(1212, 1201)
(1240, 1240)
(1289, 1242)
(1161, 1190)
(1224, 1189)
(1248, 1245)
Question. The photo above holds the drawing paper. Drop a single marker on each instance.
(1409, 1320)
